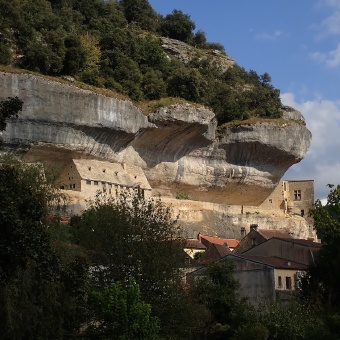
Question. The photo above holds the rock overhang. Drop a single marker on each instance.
(176, 146)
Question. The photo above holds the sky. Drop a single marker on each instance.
(298, 43)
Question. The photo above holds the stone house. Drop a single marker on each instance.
(90, 176)
(257, 236)
(193, 246)
(262, 278)
(292, 197)
(294, 250)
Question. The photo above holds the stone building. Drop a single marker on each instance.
(261, 278)
(89, 176)
(292, 197)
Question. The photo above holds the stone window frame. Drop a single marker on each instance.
(297, 195)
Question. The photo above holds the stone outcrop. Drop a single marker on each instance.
(175, 146)
(186, 53)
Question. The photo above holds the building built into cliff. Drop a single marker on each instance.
(90, 176)
(293, 197)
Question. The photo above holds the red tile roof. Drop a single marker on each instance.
(231, 243)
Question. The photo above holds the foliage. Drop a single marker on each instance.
(288, 319)
(120, 313)
(182, 195)
(9, 108)
(114, 44)
(42, 291)
(140, 12)
(320, 286)
(177, 26)
(217, 291)
(136, 237)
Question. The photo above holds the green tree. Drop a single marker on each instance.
(8, 108)
(178, 26)
(141, 13)
(321, 283)
(136, 237)
(42, 291)
(119, 313)
(187, 83)
(217, 291)
(131, 237)
(289, 319)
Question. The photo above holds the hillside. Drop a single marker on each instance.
(180, 109)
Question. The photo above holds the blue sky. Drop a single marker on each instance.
(298, 43)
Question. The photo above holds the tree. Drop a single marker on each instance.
(42, 290)
(187, 83)
(321, 284)
(217, 291)
(137, 237)
(119, 313)
(8, 108)
(141, 13)
(178, 26)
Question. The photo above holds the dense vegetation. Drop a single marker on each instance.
(115, 45)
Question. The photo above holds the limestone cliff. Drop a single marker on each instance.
(176, 146)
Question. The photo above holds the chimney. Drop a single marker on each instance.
(243, 232)
(254, 227)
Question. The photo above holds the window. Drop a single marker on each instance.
(297, 195)
(279, 281)
(62, 187)
(270, 200)
(88, 182)
(95, 182)
(73, 186)
(89, 168)
(288, 282)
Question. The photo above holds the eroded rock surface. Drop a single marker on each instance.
(175, 146)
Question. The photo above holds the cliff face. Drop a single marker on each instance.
(175, 146)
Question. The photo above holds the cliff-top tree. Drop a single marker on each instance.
(178, 26)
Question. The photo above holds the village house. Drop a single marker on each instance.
(227, 242)
(296, 250)
(291, 197)
(261, 278)
(90, 176)
(257, 236)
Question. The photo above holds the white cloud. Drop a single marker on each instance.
(330, 59)
(269, 35)
(329, 3)
(322, 162)
(331, 25)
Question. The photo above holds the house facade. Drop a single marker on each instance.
(292, 197)
(262, 279)
(257, 236)
(90, 176)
